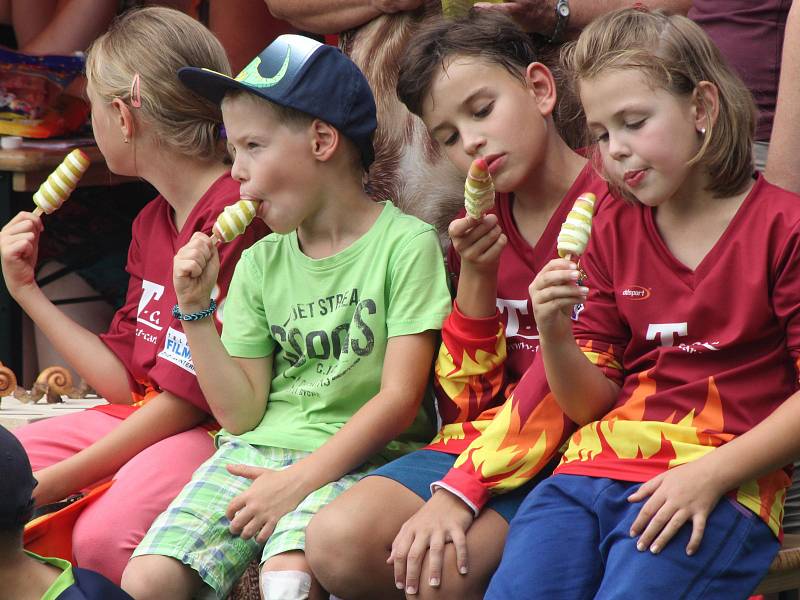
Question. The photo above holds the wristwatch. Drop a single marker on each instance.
(562, 18)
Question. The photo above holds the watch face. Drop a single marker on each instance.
(563, 9)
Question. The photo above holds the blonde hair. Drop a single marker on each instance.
(676, 55)
(154, 43)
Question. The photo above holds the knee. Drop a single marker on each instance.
(470, 586)
(101, 548)
(335, 549)
(149, 577)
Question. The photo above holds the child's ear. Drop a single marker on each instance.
(124, 118)
(705, 105)
(542, 85)
(324, 140)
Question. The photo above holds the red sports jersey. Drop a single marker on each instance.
(499, 434)
(702, 355)
(144, 335)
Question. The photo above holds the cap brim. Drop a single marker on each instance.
(209, 84)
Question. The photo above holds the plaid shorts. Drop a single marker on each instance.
(195, 530)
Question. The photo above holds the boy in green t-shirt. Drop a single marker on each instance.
(343, 287)
(24, 575)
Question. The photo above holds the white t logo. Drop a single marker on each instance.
(150, 291)
(514, 308)
(667, 331)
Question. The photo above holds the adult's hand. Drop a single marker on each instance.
(535, 16)
(394, 6)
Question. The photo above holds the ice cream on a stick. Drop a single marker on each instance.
(61, 182)
(233, 220)
(577, 227)
(478, 189)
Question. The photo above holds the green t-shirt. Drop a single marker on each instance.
(327, 322)
(62, 582)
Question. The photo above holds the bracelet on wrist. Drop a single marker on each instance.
(195, 316)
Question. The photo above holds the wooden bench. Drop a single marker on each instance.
(784, 574)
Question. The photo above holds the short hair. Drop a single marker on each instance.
(294, 119)
(491, 37)
(287, 115)
(154, 43)
(674, 54)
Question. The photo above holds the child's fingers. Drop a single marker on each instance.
(265, 532)
(481, 244)
(698, 530)
(398, 557)
(247, 471)
(460, 227)
(416, 554)
(435, 559)
(647, 512)
(253, 527)
(647, 488)
(654, 526)
(235, 505)
(241, 518)
(460, 543)
(668, 531)
(560, 295)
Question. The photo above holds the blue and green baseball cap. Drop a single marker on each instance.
(301, 73)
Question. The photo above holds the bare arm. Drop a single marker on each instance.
(161, 417)
(784, 148)
(479, 244)
(87, 354)
(71, 28)
(235, 389)
(582, 390)
(539, 16)
(333, 16)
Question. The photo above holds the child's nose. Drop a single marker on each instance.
(473, 143)
(238, 172)
(617, 148)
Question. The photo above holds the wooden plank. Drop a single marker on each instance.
(14, 413)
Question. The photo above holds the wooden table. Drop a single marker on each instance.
(14, 413)
(24, 170)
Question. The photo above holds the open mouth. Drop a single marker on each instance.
(634, 178)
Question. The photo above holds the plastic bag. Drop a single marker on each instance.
(32, 103)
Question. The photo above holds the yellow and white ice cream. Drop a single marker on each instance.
(575, 232)
(61, 182)
(234, 220)
(478, 189)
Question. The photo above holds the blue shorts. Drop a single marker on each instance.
(418, 470)
(570, 539)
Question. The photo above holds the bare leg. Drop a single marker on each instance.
(349, 540)
(293, 561)
(153, 577)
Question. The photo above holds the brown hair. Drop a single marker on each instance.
(675, 55)
(154, 43)
(491, 37)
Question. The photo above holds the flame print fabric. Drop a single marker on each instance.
(504, 433)
(702, 356)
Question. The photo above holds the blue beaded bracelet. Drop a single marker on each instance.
(195, 316)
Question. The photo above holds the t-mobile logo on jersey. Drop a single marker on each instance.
(517, 311)
(667, 332)
(145, 316)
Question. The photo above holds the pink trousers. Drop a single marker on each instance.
(108, 531)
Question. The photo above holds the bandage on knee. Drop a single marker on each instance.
(285, 585)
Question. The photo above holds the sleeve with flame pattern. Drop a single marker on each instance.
(504, 435)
